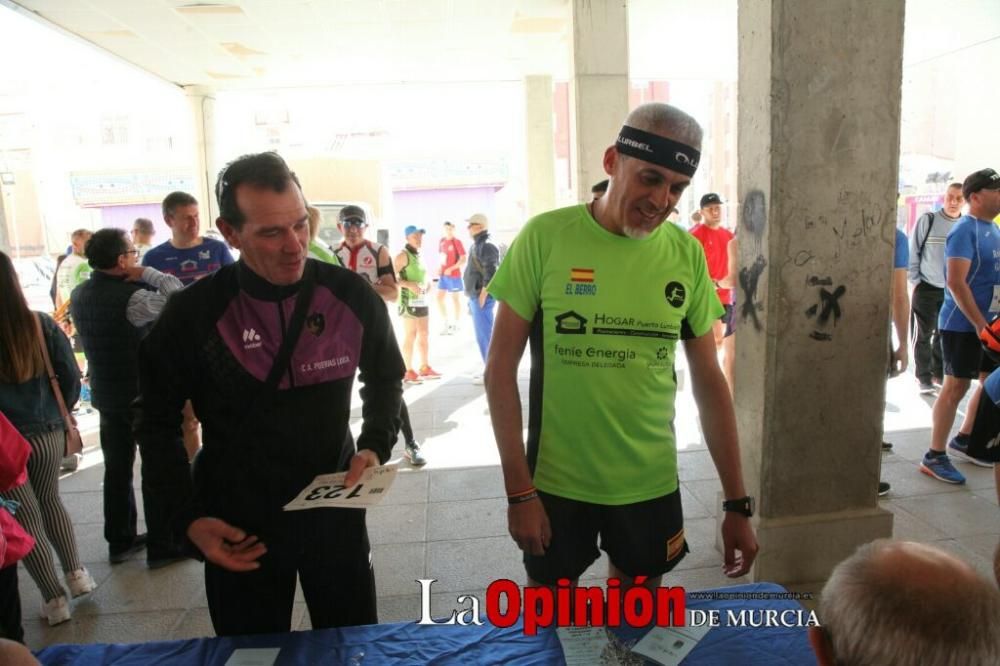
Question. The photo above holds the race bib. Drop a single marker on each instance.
(417, 301)
(328, 490)
(995, 303)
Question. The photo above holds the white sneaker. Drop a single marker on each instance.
(56, 611)
(70, 463)
(80, 582)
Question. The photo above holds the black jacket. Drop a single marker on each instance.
(215, 344)
(484, 258)
(110, 341)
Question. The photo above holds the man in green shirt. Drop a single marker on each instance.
(604, 291)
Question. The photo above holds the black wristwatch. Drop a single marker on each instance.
(743, 505)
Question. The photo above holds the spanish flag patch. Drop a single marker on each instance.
(675, 545)
(581, 275)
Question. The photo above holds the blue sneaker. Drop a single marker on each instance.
(941, 469)
(960, 450)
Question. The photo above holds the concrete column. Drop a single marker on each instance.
(598, 86)
(202, 104)
(539, 132)
(818, 164)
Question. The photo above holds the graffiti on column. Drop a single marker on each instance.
(827, 311)
(754, 219)
(749, 277)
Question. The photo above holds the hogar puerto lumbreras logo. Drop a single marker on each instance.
(571, 323)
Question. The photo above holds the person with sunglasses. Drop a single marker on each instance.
(112, 312)
(371, 261)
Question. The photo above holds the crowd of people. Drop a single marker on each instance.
(234, 379)
(156, 327)
(954, 268)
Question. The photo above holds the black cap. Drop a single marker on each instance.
(709, 199)
(984, 179)
(352, 213)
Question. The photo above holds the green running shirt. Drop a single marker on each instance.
(607, 313)
(414, 271)
(321, 251)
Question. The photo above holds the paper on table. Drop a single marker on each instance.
(582, 646)
(669, 645)
(328, 490)
(253, 657)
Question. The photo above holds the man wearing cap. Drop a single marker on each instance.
(413, 306)
(604, 291)
(484, 258)
(371, 261)
(453, 259)
(714, 239)
(368, 259)
(971, 302)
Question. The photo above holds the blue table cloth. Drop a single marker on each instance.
(410, 643)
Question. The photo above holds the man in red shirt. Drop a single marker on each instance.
(452, 262)
(714, 238)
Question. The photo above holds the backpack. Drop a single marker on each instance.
(930, 225)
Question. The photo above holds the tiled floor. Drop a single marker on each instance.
(447, 521)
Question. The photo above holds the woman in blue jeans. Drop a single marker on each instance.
(27, 400)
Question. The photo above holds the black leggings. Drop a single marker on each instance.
(404, 417)
(10, 605)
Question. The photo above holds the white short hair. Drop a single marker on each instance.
(666, 120)
(869, 618)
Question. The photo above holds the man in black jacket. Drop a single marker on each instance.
(266, 434)
(484, 258)
(112, 311)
